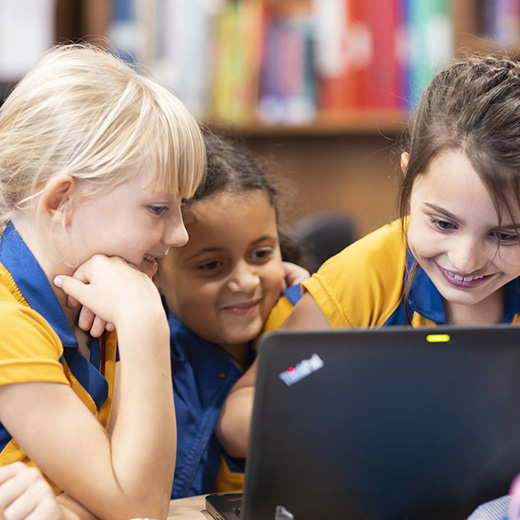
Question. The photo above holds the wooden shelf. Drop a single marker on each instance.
(368, 122)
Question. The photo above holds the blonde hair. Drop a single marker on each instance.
(84, 112)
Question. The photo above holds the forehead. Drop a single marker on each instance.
(452, 183)
(224, 219)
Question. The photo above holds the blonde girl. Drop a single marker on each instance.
(94, 162)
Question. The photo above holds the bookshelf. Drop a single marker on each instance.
(342, 161)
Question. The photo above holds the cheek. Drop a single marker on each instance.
(197, 297)
(422, 240)
(271, 282)
(509, 260)
(177, 292)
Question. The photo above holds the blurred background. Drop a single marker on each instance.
(320, 90)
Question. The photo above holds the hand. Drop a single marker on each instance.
(26, 495)
(109, 290)
(514, 505)
(88, 321)
(293, 275)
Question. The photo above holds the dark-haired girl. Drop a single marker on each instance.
(219, 290)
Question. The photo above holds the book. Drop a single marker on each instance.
(380, 81)
(431, 42)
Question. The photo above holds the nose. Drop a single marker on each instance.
(243, 278)
(174, 233)
(468, 255)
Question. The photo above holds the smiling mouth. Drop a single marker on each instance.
(151, 264)
(242, 309)
(466, 282)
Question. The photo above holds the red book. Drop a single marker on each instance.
(346, 59)
(380, 83)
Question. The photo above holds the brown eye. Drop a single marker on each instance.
(504, 238)
(262, 254)
(443, 225)
(210, 266)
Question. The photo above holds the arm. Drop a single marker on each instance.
(234, 421)
(128, 472)
(307, 315)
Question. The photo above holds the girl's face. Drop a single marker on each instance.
(455, 236)
(131, 221)
(224, 282)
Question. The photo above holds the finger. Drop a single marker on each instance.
(98, 327)
(283, 285)
(47, 509)
(71, 286)
(10, 491)
(10, 470)
(22, 506)
(72, 303)
(110, 327)
(85, 319)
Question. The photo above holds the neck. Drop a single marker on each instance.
(239, 354)
(486, 312)
(47, 260)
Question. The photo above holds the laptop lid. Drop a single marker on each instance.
(382, 424)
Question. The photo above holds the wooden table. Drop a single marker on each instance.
(186, 508)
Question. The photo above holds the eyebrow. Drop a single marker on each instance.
(220, 249)
(445, 212)
(438, 209)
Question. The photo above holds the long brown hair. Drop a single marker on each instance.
(472, 107)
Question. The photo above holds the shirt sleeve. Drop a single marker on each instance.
(30, 350)
(362, 285)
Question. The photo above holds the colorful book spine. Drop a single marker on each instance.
(287, 92)
(123, 30)
(430, 44)
(380, 86)
(502, 21)
(286, 62)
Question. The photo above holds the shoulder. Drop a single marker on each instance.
(282, 308)
(30, 350)
(362, 285)
(25, 323)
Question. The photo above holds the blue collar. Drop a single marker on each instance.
(427, 301)
(30, 279)
(202, 354)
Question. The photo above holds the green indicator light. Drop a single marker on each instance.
(437, 338)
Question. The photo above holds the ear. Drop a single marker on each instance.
(405, 158)
(55, 201)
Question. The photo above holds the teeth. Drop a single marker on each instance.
(149, 258)
(463, 278)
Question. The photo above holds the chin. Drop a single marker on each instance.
(242, 339)
(462, 299)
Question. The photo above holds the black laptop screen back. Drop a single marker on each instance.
(390, 427)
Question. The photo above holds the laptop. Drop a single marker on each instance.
(388, 424)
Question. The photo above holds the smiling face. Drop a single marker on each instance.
(131, 221)
(224, 282)
(455, 236)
